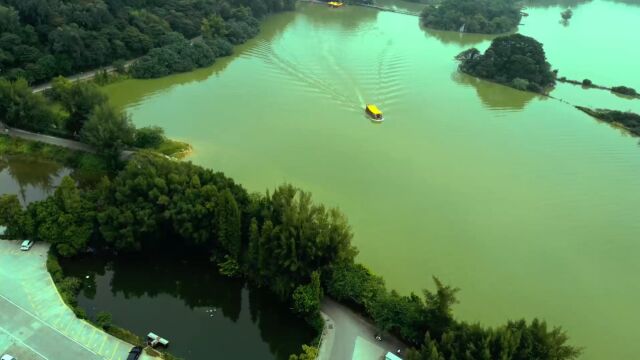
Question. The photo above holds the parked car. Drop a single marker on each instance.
(26, 245)
(134, 354)
(7, 357)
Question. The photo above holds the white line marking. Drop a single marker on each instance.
(23, 343)
(47, 324)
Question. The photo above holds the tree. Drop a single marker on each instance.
(306, 298)
(228, 216)
(103, 320)
(79, 99)
(514, 60)
(473, 16)
(109, 132)
(355, 283)
(65, 219)
(567, 14)
(149, 137)
(20, 107)
(13, 216)
(439, 307)
(308, 353)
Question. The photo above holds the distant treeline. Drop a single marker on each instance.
(473, 16)
(41, 39)
(280, 240)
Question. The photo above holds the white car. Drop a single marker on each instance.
(26, 245)
(7, 357)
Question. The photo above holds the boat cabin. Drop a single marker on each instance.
(392, 356)
(374, 112)
(154, 340)
(335, 4)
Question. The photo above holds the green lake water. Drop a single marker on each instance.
(31, 179)
(526, 204)
(202, 314)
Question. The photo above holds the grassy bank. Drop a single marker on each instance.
(86, 166)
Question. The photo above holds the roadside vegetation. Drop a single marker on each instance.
(280, 240)
(473, 16)
(44, 39)
(515, 60)
(80, 111)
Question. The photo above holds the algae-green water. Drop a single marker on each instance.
(526, 204)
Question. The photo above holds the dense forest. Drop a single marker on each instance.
(515, 60)
(473, 16)
(281, 240)
(41, 39)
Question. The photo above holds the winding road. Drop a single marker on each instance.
(52, 140)
(349, 336)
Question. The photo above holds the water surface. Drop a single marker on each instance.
(31, 179)
(200, 312)
(525, 203)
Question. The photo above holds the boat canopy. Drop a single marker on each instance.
(374, 110)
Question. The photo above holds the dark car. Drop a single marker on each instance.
(135, 353)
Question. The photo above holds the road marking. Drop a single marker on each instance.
(101, 346)
(46, 324)
(114, 350)
(23, 343)
(93, 334)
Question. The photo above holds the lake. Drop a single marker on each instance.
(29, 178)
(199, 312)
(526, 204)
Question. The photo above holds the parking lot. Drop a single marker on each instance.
(35, 324)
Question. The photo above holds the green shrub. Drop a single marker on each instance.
(103, 320)
(520, 84)
(587, 82)
(624, 90)
(149, 137)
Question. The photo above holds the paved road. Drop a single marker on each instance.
(349, 336)
(52, 140)
(88, 75)
(35, 324)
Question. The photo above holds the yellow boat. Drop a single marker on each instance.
(335, 4)
(374, 113)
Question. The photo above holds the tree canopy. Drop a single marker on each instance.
(42, 39)
(515, 60)
(473, 16)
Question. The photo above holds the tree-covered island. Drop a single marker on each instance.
(515, 60)
(473, 16)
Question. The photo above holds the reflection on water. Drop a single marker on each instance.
(496, 96)
(462, 39)
(186, 302)
(553, 3)
(135, 91)
(31, 179)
